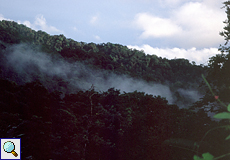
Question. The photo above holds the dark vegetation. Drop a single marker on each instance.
(110, 125)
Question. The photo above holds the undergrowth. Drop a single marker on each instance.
(222, 115)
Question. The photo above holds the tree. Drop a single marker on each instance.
(219, 65)
(226, 32)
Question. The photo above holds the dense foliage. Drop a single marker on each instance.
(115, 57)
(110, 125)
(218, 74)
(92, 125)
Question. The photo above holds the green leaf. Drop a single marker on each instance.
(223, 115)
(228, 107)
(206, 156)
(227, 137)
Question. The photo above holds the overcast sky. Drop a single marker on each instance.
(167, 28)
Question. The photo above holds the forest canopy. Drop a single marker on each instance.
(58, 120)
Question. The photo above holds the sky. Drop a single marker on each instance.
(167, 28)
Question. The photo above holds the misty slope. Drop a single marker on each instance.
(56, 95)
(68, 66)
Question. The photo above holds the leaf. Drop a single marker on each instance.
(228, 107)
(223, 115)
(206, 156)
(227, 137)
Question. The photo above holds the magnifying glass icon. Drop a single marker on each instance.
(9, 147)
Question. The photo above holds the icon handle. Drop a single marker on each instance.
(14, 153)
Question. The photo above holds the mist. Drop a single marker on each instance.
(22, 64)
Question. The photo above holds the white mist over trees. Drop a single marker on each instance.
(23, 64)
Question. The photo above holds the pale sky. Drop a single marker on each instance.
(167, 28)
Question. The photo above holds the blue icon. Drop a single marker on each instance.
(9, 147)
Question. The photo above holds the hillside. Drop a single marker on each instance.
(73, 100)
(181, 77)
(114, 57)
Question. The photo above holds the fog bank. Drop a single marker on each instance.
(22, 64)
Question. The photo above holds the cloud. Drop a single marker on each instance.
(170, 2)
(3, 18)
(191, 24)
(201, 24)
(214, 3)
(22, 64)
(199, 56)
(26, 23)
(153, 26)
(28, 65)
(75, 29)
(94, 19)
(97, 37)
(40, 22)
